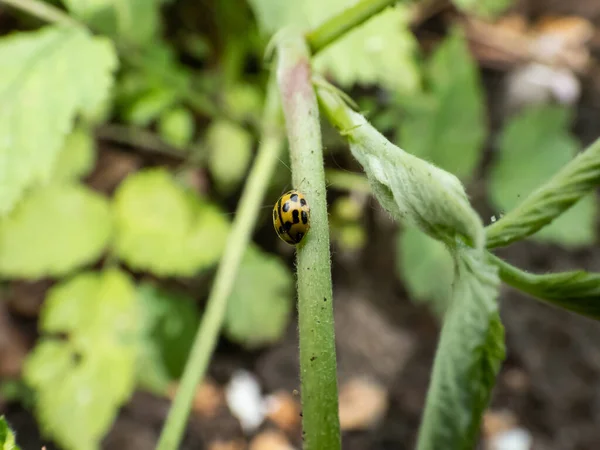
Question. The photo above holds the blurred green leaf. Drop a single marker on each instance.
(484, 8)
(54, 231)
(77, 157)
(230, 150)
(43, 87)
(176, 126)
(533, 146)
(150, 105)
(243, 101)
(132, 21)
(83, 379)
(426, 267)
(446, 125)
(7, 437)
(468, 358)
(169, 322)
(260, 304)
(164, 229)
(381, 51)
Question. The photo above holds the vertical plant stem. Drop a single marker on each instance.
(239, 237)
(340, 24)
(320, 419)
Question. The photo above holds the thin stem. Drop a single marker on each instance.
(349, 181)
(249, 206)
(320, 419)
(43, 11)
(337, 26)
(139, 138)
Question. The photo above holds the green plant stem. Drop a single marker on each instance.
(337, 26)
(43, 11)
(245, 219)
(320, 419)
(562, 191)
(577, 291)
(350, 181)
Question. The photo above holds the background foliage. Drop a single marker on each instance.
(130, 263)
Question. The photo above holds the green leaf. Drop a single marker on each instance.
(77, 157)
(54, 231)
(485, 8)
(7, 436)
(426, 267)
(169, 322)
(164, 229)
(133, 21)
(380, 51)
(409, 188)
(534, 146)
(446, 125)
(150, 105)
(230, 150)
(83, 379)
(577, 291)
(260, 304)
(468, 358)
(42, 88)
(176, 126)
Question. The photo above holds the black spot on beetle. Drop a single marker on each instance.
(304, 217)
(286, 207)
(302, 202)
(299, 237)
(280, 230)
(296, 216)
(294, 197)
(288, 226)
(274, 215)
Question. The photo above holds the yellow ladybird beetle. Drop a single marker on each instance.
(291, 217)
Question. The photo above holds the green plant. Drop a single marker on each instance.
(158, 224)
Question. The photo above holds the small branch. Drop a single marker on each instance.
(318, 376)
(350, 181)
(239, 238)
(43, 11)
(140, 139)
(340, 24)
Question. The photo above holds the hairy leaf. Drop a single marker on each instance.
(169, 324)
(83, 379)
(426, 267)
(577, 291)
(260, 304)
(7, 436)
(42, 88)
(446, 125)
(534, 146)
(382, 50)
(54, 231)
(230, 150)
(410, 189)
(164, 229)
(468, 357)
